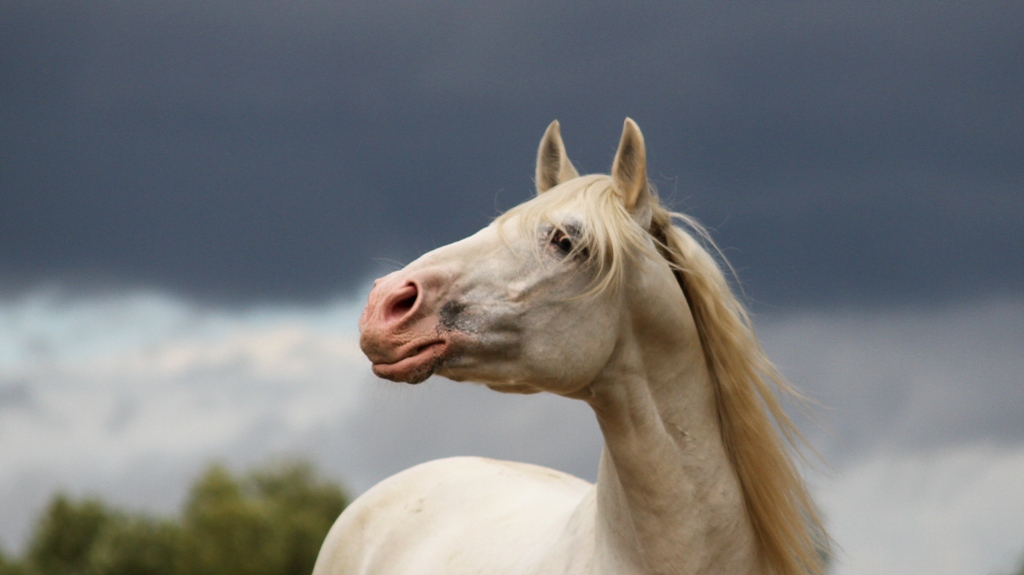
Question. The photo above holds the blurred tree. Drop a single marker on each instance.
(138, 546)
(229, 533)
(303, 507)
(271, 521)
(65, 534)
(10, 567)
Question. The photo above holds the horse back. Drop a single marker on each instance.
(452, 516)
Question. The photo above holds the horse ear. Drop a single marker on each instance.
(553, 165)
(629, 171)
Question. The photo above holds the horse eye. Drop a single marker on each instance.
(562, 241)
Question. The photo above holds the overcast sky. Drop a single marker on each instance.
(249, 152)
(194, 196)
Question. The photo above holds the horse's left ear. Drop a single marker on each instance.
(629, 172)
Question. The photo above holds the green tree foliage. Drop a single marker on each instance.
(270, 521)
(303, 508)
(138, 546)
(65, 536)
(9, 567)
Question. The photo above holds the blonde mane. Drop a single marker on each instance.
(756, 431)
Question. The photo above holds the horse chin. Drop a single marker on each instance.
(415, 368)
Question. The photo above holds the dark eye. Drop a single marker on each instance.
(562, 241)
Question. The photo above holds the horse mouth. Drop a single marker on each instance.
(415, 367)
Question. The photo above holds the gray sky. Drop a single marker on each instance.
(843, 153)
(195, 194)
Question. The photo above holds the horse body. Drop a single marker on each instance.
(578, 293)
(460, 515)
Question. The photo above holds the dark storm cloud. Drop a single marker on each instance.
(240, 152)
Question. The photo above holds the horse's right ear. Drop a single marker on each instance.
(553, 165)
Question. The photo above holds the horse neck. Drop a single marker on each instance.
(668, 499)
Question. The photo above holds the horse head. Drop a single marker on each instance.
(540, 299)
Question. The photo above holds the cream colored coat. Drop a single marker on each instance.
(578, 293)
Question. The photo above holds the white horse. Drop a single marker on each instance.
(590, 292)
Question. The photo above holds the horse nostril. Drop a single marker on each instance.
(402, 302)
(404, 305)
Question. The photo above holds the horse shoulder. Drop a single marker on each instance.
(454, 515)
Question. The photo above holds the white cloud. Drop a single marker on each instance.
(955, 511)
(922, 422)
